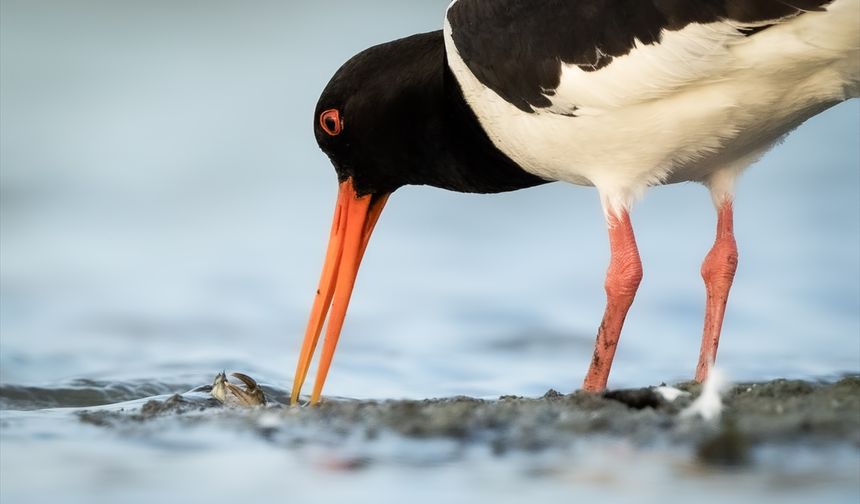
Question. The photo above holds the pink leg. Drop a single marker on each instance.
(622, 281)
(718, 271)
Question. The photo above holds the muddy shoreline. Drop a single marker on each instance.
(781, 412)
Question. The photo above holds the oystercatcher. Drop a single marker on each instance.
(615, 94)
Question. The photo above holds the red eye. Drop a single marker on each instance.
(330, 122)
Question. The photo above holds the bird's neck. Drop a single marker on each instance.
(461, 157)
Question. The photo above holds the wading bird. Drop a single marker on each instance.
(615, 94)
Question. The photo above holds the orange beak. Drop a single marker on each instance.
(354, 219)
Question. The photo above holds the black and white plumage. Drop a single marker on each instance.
(626, 94)
(496, 38)
(616, 94)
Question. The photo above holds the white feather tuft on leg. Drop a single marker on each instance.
(709, 405)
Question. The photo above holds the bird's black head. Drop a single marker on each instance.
(394, 115)
(375, 117)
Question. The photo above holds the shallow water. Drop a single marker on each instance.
(164, 216)
(463, 450)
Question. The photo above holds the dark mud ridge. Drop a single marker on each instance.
(783, 412)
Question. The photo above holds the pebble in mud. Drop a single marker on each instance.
(175, 404)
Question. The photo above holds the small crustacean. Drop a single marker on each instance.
(236, 395)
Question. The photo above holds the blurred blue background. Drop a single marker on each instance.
(165, 211)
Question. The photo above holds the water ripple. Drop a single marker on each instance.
(83, 393)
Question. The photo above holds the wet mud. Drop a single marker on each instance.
(781, 412)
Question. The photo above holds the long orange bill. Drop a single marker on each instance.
(354, 219)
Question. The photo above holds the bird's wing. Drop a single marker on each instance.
(577, 57)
